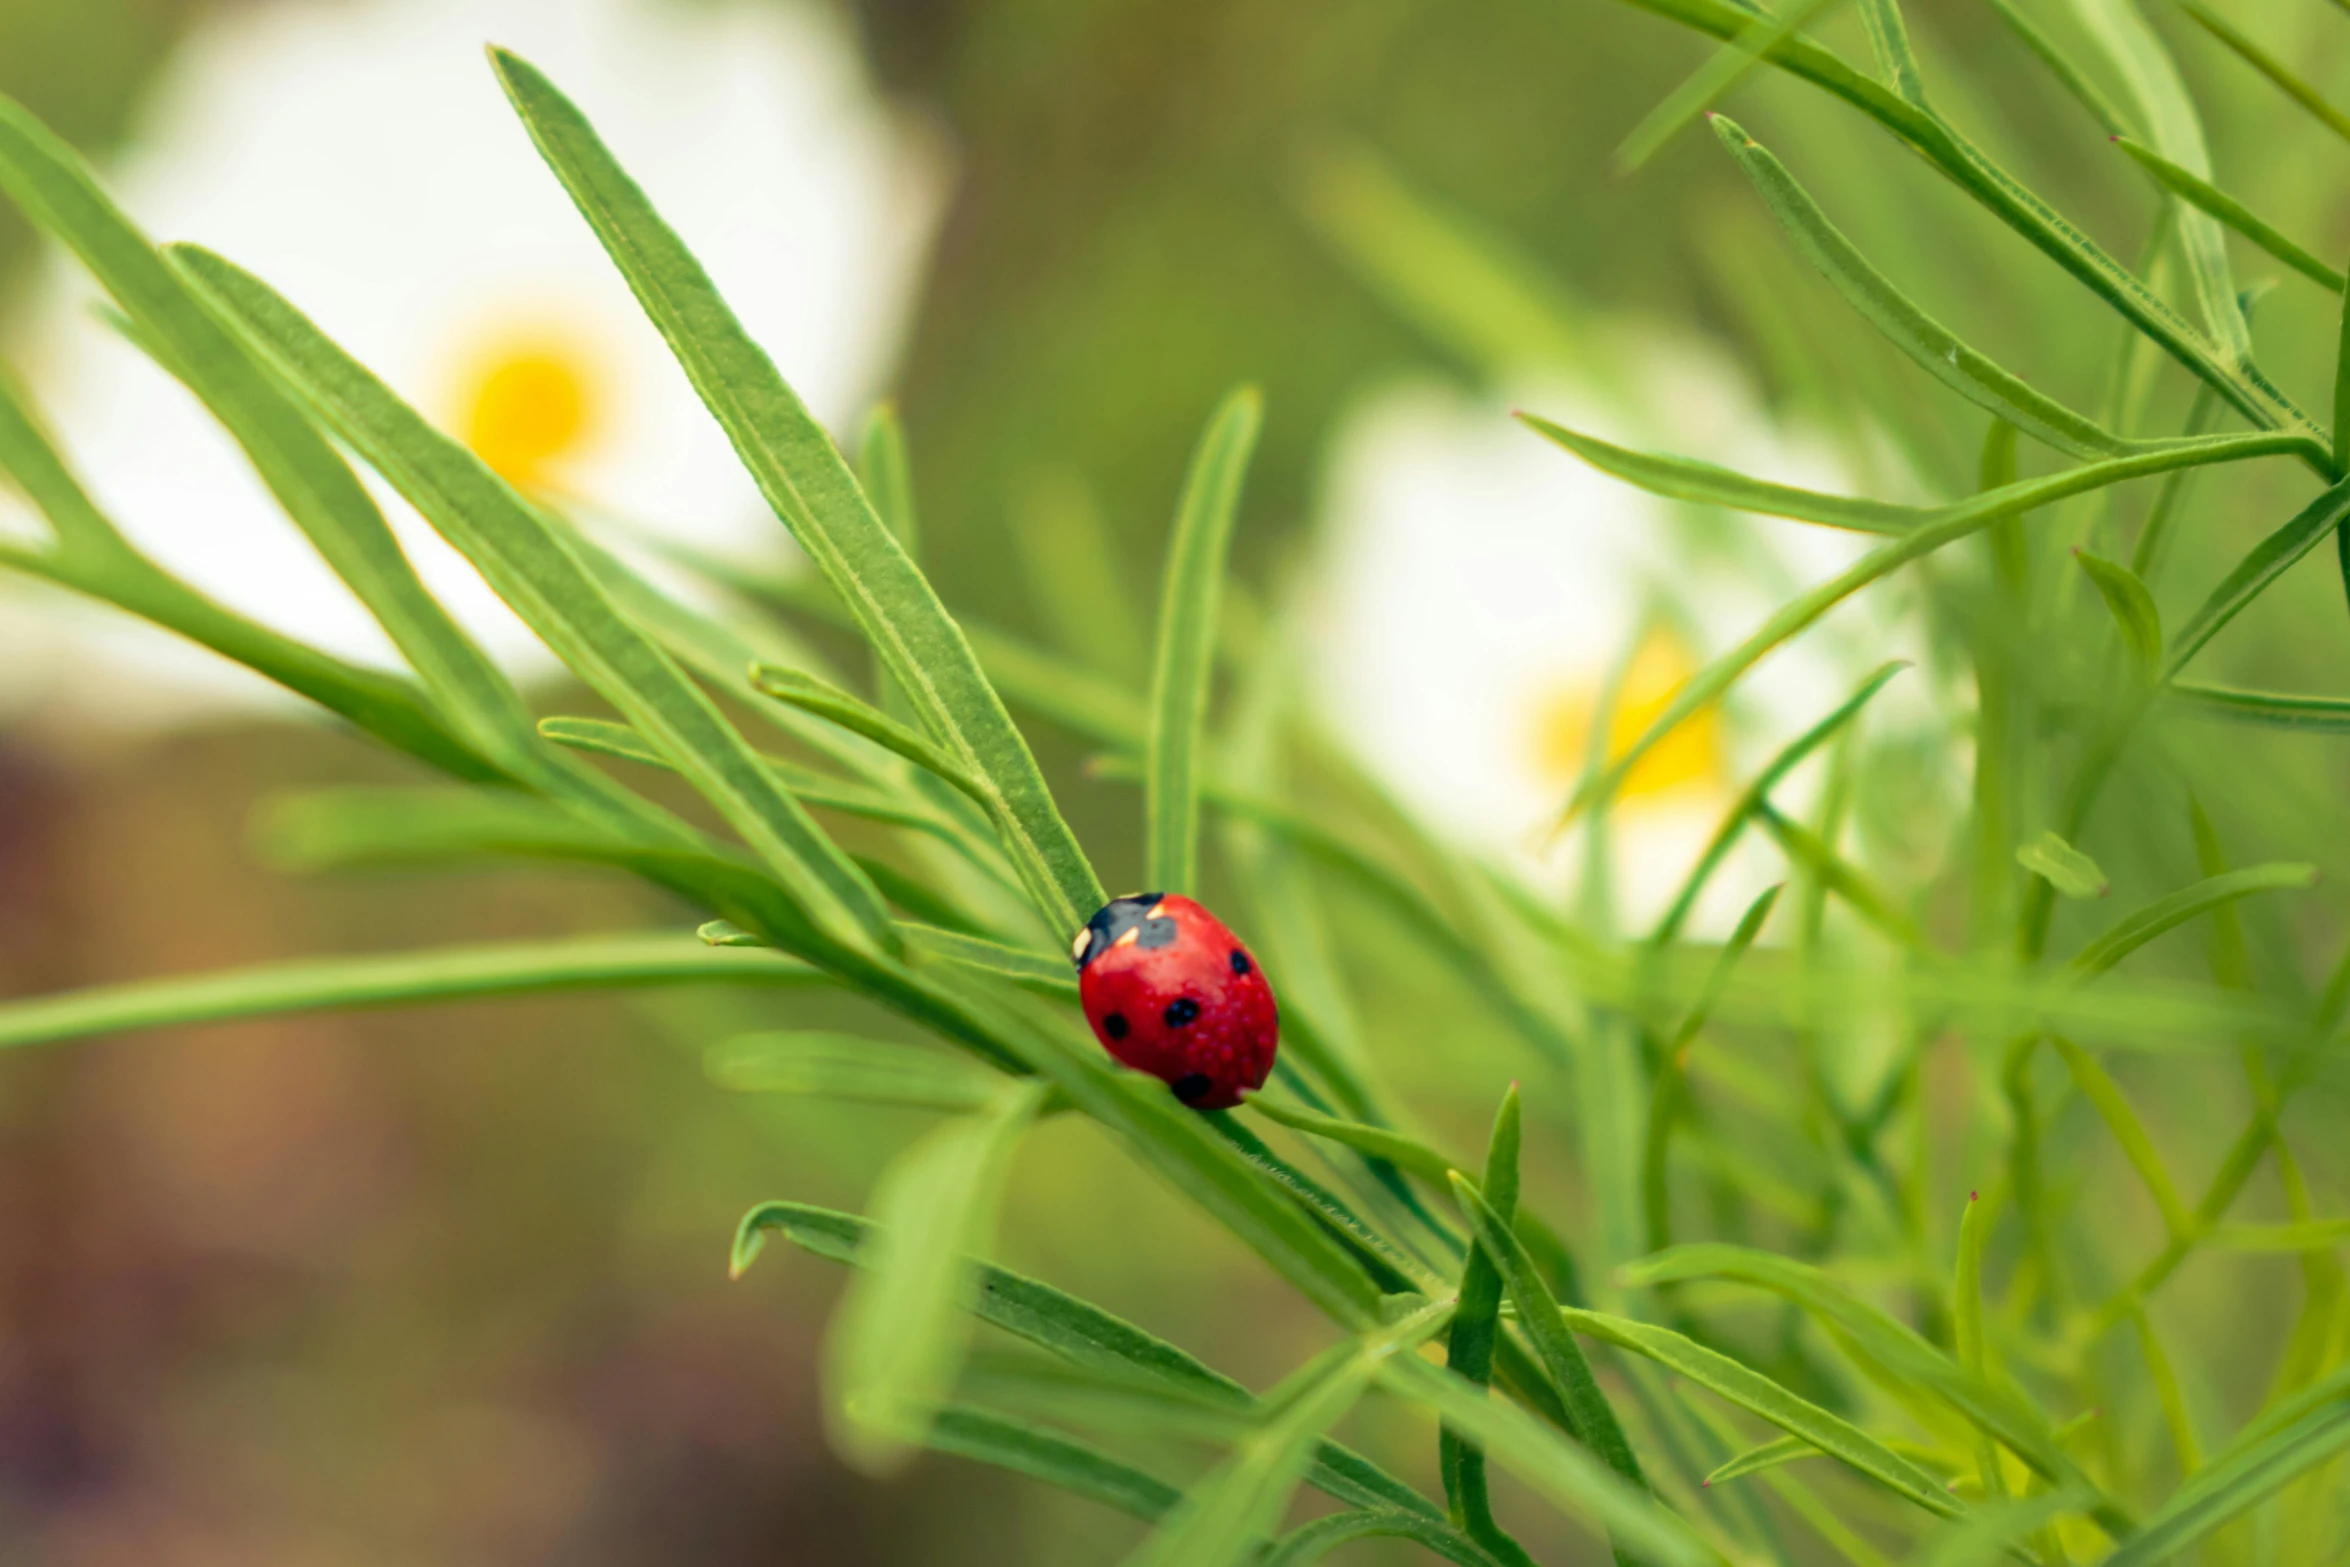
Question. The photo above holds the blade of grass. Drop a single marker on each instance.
(1966, 1316)
(1189, 609)
(2168, 113)
(1669, 1099)
(2132, 607)
(2207, 197)
(1080, 1333)
(1588, 1410)
(811, 695)
(2076, 81)
(1723, 70)
(898, 1339)
(2269, 709)
(316, 488)
(2063, 867)
(1057, 1460)
(1468, 1350)
(390, 979)
(848, 1066)
(2105, 1096)
(528, 566)
(1935, 527)
(1311, 1542)
(1734, 820)
(1222, 1520)
(2268, 65)
(1927, 343)
(1041, 972)
(811, 489)
(1554, 1464)
(1757, 1394)
(2164, 914)
(2238, 1480)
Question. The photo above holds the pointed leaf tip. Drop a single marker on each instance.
(750, 1238)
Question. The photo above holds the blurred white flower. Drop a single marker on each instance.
(1480, 588)
(360, 156)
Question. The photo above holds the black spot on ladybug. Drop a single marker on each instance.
(1239, 961)
(1180, 1011)
(1115, 918)
(1115, 1025)
(1191, 1085)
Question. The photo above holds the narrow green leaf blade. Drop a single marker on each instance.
(849, 1066)
(1932, 346)
(1222, 1520)
(899, 1336)
(2207, 197)
(2064, 867)
(2164, 914)
(1554, 1464)
(803, 477)
(1190, 606)
(811, 695)
(1057, 1460)
(391, 979)
(2132, 606)
(1752, 1391)
(528, 565)
(2237, 1481)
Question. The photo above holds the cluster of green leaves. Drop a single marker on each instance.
(903, 846)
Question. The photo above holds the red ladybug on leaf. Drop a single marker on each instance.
(1171, 992)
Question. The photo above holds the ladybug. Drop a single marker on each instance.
(1171, 992)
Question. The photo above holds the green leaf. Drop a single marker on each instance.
(1929, 344)
(1752, 1391)
(1891, 1346)
(93, 559)
(2132, 606)
(1082, 1334)
(1781, 1450)
(898, 1339)
(2064, 867)
(2105, 1096)
(1934, 527)
(1222, 1519)
(1554, 1464)
(546, 584)
(1723, 70)
(2267, 709)
(811, 695)
(1189, 612)
(1538, 1313)
(1990, 1533)
(2085, 91)
(811, 489)
(1311, 1542)
(2268, 65)
(1468, 1349)
(811, 788)
(2001, 194)
(1966, 1316)
(1057, 1460)
(2135, 930)
(2207, 197)
(2165, 109)
(1836, 874)
(2269, 1457)
(849, 1066)
(391, 979)
(1734, 820)
(1889, 41)
(52, 186)
(1041, 972)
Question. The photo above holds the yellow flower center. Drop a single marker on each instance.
(529, 403)
(1691, 756)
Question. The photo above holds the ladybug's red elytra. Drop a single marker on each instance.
(1171, 992)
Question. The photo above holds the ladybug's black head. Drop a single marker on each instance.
(1119, 918)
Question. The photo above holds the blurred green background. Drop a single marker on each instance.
(450, 1287)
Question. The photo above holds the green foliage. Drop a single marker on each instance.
(887, 836)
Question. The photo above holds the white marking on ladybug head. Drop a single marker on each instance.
(1128, 937)
(1083, 941)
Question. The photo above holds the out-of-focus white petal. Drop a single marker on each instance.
(1476, 583)
(361, 158)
